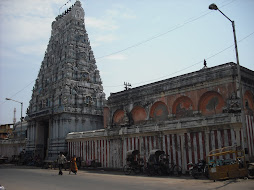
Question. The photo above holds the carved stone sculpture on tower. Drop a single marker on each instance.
(67, 82)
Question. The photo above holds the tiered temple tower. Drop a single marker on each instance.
(68, 94)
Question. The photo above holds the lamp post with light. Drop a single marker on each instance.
(21, 118)
(240, 95)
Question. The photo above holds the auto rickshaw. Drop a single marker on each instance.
(157, 163)
(133, 162)
(233, 164)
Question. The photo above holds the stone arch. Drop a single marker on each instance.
(138, 114)
(183, 107)
(118, 117)
(159, 111)
(210, 103)
(248, 101)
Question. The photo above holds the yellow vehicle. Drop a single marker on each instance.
(227, 162)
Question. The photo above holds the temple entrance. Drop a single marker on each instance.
(42, 138)
(46, 139)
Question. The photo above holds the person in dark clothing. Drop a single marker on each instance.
(61, 160)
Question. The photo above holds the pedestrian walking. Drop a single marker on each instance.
(61, 160)
(73, 165)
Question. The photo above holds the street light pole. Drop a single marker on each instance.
(239, 92)
(20, 112)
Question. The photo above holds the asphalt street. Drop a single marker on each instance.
(29, 178)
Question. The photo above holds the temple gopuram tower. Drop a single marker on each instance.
(68, 94)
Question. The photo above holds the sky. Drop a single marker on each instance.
(134, 41)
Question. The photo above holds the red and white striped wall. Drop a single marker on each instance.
(91, 150)
(181, 148)
(250, 134)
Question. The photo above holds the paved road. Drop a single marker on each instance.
(24, 178)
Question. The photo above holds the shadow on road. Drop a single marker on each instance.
(119, 172)
(106, 171)
(228, 182)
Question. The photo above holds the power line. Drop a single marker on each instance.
(143, 82)
(153, 37)
(19, 91)
(192, 19)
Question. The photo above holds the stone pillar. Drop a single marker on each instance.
(183, 155)
(207, 142)
(57, 134)
(28, 133)
(160, 141)
(50, 137)
(35, 133)
(32, 133)
(124, 150)
(36, 138)
(237, 132)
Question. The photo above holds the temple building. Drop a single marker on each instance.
(186, 116)
(68, 94)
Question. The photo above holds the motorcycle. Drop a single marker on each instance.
(251, 170)
(190, 168)
(199, 169)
